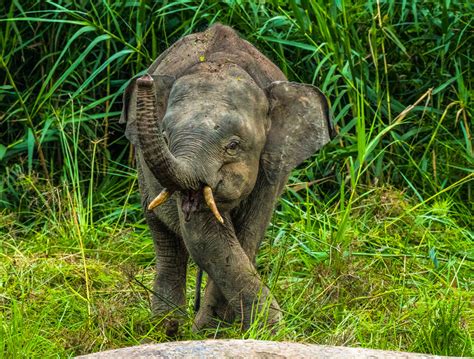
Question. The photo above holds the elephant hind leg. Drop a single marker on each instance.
(169, 288)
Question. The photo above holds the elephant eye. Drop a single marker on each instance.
(232, 147)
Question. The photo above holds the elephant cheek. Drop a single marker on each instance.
(238, 180)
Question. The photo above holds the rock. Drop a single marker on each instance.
(236, 348)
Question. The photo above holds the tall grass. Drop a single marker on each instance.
(372, 242)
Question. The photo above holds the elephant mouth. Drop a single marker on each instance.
(190, 201)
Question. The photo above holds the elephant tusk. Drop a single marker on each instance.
(212, 204)
(160, 199)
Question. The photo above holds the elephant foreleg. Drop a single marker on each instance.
(214, 308)
(216, 249)
(250, 222)
(169, 297)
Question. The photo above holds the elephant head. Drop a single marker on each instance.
(211, 135)
(219, 125)
(220, 129)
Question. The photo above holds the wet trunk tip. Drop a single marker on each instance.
(145, 80)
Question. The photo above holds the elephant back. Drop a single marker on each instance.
(219, 44)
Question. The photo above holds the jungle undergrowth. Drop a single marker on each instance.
(400, 287)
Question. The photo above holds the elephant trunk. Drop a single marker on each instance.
(170, 172)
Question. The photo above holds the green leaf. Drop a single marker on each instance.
(59, 61)
(74, 65)
(443, 86)
(392, 36)
(30, 141)
(3, 151)
(44, 131)
(100, 69)
(300, 45)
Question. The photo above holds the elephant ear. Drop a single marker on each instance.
(162, 84)
(300, 125)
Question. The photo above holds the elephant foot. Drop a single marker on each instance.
(170, 319)
(215, 311)
(275, 317)
(267, 316)
(171, 327)
(209, 317)
(169, 323)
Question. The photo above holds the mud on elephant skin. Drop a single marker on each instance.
(217, 129)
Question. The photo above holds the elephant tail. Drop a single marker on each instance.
(197, 293)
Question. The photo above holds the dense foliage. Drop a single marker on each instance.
(391, 194)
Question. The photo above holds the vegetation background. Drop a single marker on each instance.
(372, 242)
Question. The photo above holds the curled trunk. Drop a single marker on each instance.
(170, 172)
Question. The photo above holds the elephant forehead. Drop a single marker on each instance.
(199, 115)
(233, 91)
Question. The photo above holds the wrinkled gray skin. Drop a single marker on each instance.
(216, 112)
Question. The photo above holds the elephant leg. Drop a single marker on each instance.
(250, 221)
(214, 308)
(169, 297)
(169, 289)
(216, 249)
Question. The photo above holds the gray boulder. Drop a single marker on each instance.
(237, 348)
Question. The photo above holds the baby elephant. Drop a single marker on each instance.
(217, 129)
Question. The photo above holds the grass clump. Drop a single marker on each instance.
(371, 244)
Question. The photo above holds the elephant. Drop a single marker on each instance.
(217, 129)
